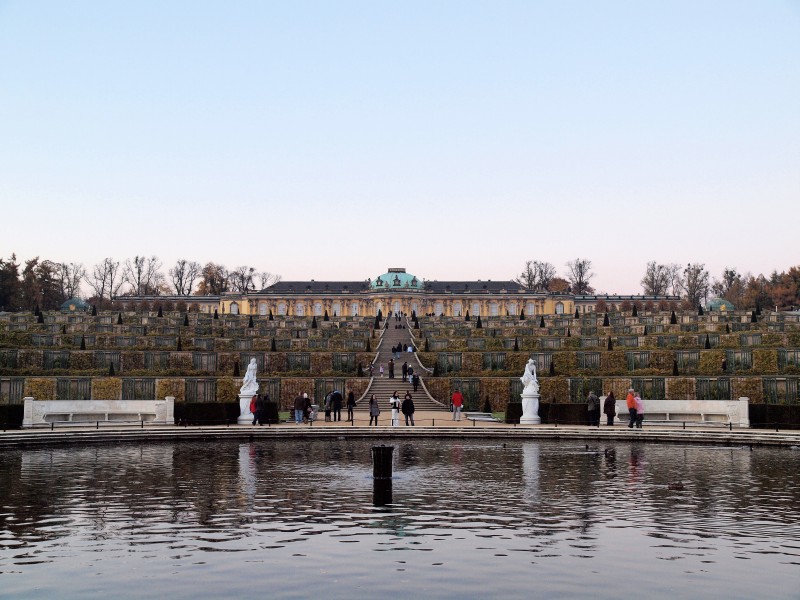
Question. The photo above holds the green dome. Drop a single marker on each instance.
(720, 304)
(75, 305)
(396, 279)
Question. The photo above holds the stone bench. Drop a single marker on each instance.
(41, 413)
(481, 416)
(711, 412)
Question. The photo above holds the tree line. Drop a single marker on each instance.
(692, 283)
(47, 284)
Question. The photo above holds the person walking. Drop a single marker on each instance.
(404, 370)
(391, 368)
(610, 408)
(254, 408)
(381, 370)
(299, 408)
(327, 406)
(351, 404)
(593, 407)
(415, 381)
(394, 403)
(336, 405)
(639, 409)
(630, 402)
(457, 401)
(408, 408)
(374, 410)
(371, 369)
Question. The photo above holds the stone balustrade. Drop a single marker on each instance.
(38, 413)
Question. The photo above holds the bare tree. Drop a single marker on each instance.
(144, 276)
(69, 276)
(527, 278)
(675, 278)
(241, 279)
(656, 280)
(266, 279)
(105, 279)
(579, 273)
(183, 276)
(545, 273)
(695, 284)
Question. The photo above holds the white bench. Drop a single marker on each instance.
(712, 412)
(39, 413)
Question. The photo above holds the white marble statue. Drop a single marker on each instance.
(250, 383)
(528, 379)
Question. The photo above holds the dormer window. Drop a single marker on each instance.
(396, 280)
(414, 282)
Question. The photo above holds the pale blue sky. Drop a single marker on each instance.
(330, 140)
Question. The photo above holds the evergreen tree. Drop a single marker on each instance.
(236, 372)
(360, 372)
(674, 368)
(216, 314)
(119, 318)
(707, 345)
(272, 346)
(94, 310)
(270, 318)
(416, 323)
(36, 311)
(673, 319)
(180, 345)
(478, 324)
(40, 318)
(63, 330)
(516, 345)
(727, 328)
(487, 406)
(605, 320)
(325, 316)
(250, 324)
(111, 369)
(160, 311)
(635, 312)
(577, 313)
(467, 317)
(521, 314)
(427, 348)
(700, 310)
(313, 322)
(569, 334)
(186, 320)
(754, 317)
(758, 309)
(645, 330)
(552, 367)
(436, 369)
(610, 345)
(369, 346)
(541, 322)
(83, 342)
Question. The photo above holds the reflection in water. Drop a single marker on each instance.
(209, 519)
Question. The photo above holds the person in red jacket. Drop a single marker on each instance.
(457, 401)
(630, 401)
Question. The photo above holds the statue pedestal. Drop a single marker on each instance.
(245, 416)
(530, 408)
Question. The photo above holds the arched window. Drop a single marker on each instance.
(354, 309)
(559, 308)
(414, 307)
(476, 309)
(457, 309)
(281, 308)
(438, 309)
(234, 308)
(318, 309)
(512, 309)
(300, 309)
(530, 309)
(337, 309)
(494, 309)
(262, 308)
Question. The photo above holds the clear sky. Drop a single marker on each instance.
(333, 139)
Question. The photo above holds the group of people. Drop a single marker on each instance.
(406, 406)
(633, 401)
(400, 348)
(303, 407)
(258, 406)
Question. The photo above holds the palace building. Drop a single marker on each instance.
(397, 291)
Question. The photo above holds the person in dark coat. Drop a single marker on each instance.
(404, 370)
(336, 405)
(407, 408)
(391, 368)
(415, 381)
(610, 407)
(351, 404)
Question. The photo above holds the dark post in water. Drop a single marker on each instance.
(382, 461)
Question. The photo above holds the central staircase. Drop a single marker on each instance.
(383, 387)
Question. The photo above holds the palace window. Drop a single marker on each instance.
(281, 308)
(476, 309)
(300, 309)
(337, 309)
(512, 309)
(354, 309)
(457, 309)
(559, 308)
(438, 309)
(494, 309)
(530, 309)
(262, 308)
(234, 308)
(318, 309)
